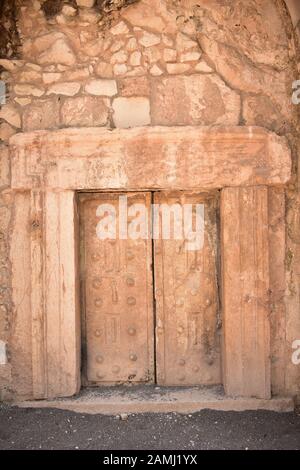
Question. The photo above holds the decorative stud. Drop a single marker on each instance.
(131, 331)
(196, 369)
(181, 362)
(181, 378)
(131, 301)
(95, 256)
(116, 369)
(100, 375)
(133, 357)
(99, 358)
(96, 283)
(130, 255)
(97, 333)
(130, 281)
(98, 302)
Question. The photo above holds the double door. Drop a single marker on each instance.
(149, 288)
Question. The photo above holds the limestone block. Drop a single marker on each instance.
(84, 111)
(176, 69)
(135, 58)
(6, 131)
(131, 112)
(149, 39)
(119, 28)
(120, 69)
(104, 70)
(66, 88)
(11, 115)
(59, 53)
(145, 157)
(51, 77)
(85, 3)
(136, 86)
(170, 55)
(26, 89)
(41, 115)
(102, 87)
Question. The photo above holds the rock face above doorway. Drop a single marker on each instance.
(154, 62)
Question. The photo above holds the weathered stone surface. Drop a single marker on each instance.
(156, 71)
(104, 70)
(177, 69)
(42, 114)
(22, 101)
(120, 69)
(84, 111)
(119, 57)
(27, 89)
(4, 169)
(135, 58)
(29, 76)
(261, 111)
(119, 28)
(137, 86)
(153, 157)
(6, 131)
(85, 3)
(11, 115)
(203, 66)
(102, 87)
(196, 99)
(65, 88)
(245, 291)
(59, 53)
(149, 39)
(190, 56)
(131, 112)
(51, 77)
(170, 55)
(144, 15)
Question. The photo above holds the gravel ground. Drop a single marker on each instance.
(58, 429)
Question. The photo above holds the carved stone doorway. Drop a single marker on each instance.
(150, 307)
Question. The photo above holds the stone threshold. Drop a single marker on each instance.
(153, 399)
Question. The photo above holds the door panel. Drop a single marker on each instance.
(187, 339)
(117, 298)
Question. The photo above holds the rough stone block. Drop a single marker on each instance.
(84, 111)
(196, 99)
(41, 115)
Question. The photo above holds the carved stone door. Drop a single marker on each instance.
(122, 323)
(186, 293)
(117, 296)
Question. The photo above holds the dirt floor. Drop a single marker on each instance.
(58, 429)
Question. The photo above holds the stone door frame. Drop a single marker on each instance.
(48, 168)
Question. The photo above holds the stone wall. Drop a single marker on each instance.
(158, 62)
